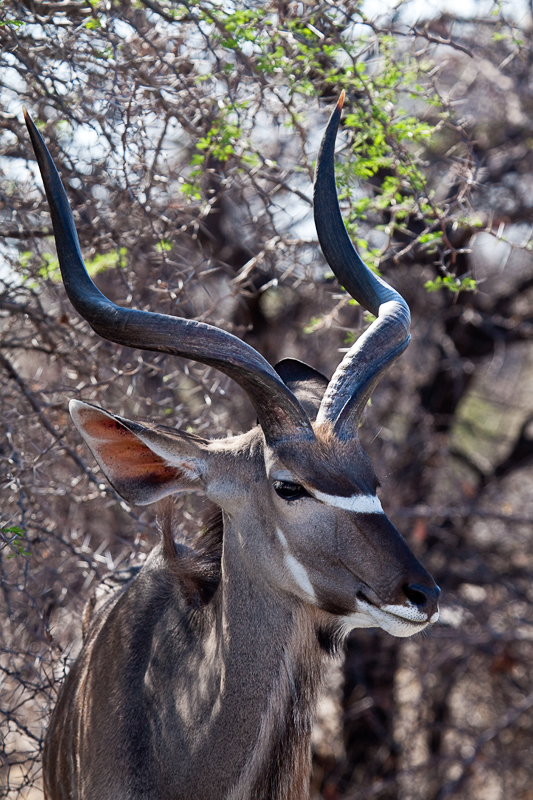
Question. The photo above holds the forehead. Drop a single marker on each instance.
(327, 464)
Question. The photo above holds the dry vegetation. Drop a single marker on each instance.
(185, 134)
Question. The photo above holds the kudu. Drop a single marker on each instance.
(198, 678)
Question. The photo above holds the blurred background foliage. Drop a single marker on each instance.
(186, 135)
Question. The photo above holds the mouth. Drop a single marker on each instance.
(401, 621)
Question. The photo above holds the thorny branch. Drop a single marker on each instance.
(186, 134)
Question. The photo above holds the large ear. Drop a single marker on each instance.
(143, 463)
(306, 383)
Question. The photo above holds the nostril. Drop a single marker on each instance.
(416, 594)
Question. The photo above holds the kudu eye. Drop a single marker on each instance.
(290, 491)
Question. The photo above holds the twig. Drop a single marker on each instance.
(34, 403)
(487, 736)
(25, 234)
(426, 512)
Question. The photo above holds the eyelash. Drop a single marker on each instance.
(290, 491)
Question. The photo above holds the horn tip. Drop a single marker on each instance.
(340, 101)
(27, 119)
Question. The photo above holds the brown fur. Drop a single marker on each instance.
(198, 676)
(195, 563)
(329, 464)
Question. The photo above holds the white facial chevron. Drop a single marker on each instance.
(360, 503)
(297, 570)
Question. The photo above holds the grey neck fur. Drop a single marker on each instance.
(283, 672)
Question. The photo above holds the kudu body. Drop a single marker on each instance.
(198, 678)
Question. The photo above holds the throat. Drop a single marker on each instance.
(274, 663)
(286, 768)
(279, 763)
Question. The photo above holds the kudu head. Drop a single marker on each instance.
(298, 491)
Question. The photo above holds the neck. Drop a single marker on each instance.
(272, 667)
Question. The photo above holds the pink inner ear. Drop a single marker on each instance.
(137, 473)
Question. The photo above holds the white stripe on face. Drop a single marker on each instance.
(297, 570)
(360, 503)
(299, 573)
(283, 540)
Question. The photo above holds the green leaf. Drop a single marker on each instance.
(190, 190)
(452, 283)
(15, 533)
(430, 237)
(93, 23)
(99, 263)
(314, 324)
(15, 530)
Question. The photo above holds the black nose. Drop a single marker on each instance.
(426, 598)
